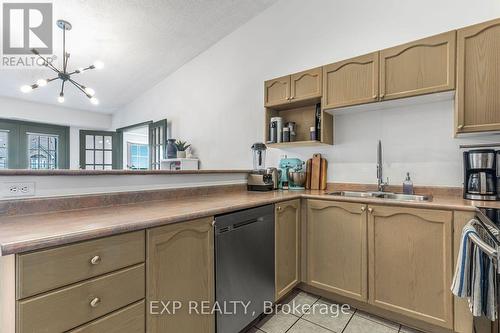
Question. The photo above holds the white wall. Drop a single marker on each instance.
(216, 100)
(11, 108)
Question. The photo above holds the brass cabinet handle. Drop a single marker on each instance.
(370, 210)
(374, 96)
(280, 209)
(95, 302)
(382, 95)
(95, 260)
(460, 126)
(363, 208)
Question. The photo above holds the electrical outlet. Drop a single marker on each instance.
(19, 189)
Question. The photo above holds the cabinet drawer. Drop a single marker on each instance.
(128, 320)
(45, 270)
(70, 307)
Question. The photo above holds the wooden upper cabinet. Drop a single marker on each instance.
(351, 82)
(277, 91)
(306, 85)
(410, 262)
(478, 78)
(287, 234)
(420, 67)
(180, 267)
(337, 248)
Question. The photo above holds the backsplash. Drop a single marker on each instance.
(415, 138)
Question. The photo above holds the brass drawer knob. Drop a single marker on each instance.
(280, 209)
(95, 260)
(95, 302)
(370, 210)
(363, 208)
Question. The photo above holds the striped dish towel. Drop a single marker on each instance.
(474, 277)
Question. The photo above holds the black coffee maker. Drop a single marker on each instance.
(480, 174)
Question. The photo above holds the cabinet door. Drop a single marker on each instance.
(306, 84)
(287, 233)
(410, 262)
(478, 78)
(351, 82)
(420, 67)
(180, 267)
(277, 91)
(336, 247)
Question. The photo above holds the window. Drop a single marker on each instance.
(138, 156)
(42, 151)
(26, 145)
(4, 149)
(97, 150)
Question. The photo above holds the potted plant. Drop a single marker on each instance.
(181, 148)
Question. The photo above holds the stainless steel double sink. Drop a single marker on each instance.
(383, 195)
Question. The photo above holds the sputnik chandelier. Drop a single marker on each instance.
(64, 75)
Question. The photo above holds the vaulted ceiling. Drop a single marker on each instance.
(140, 42)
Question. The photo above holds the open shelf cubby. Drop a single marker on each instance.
(304, 118)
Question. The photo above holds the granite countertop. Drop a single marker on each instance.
(21, 233)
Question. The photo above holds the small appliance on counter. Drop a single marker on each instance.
(293, 175)
(480, 174)
(260, 178)
(276, 130)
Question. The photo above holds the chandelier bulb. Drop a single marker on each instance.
(26, 89)
(99, 64)
(94, 101)
(60, 99)
(42, 82)
(89, 91)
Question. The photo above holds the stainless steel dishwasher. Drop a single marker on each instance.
(244, 265)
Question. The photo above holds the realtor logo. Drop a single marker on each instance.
(27, 26)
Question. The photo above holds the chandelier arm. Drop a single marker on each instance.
(78, 85)
(62, 88)
(46, 62)
(49, 65)
(79, 71)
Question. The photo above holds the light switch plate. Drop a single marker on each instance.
(26, 189)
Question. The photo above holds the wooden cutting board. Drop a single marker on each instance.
(316, 172)
(322, 176)
(308, 173)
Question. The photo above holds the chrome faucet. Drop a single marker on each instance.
(380, 179)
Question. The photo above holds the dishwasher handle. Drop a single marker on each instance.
(237, 225)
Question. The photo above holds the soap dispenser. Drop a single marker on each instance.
(408, 185)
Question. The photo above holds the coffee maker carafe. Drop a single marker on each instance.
(480, 174)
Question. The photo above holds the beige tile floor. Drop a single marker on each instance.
(354, 321)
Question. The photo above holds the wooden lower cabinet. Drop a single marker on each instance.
(180, 267)
(127, 320)
(287, 245)
(72, 306)
(410, 262)
(337, 247)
